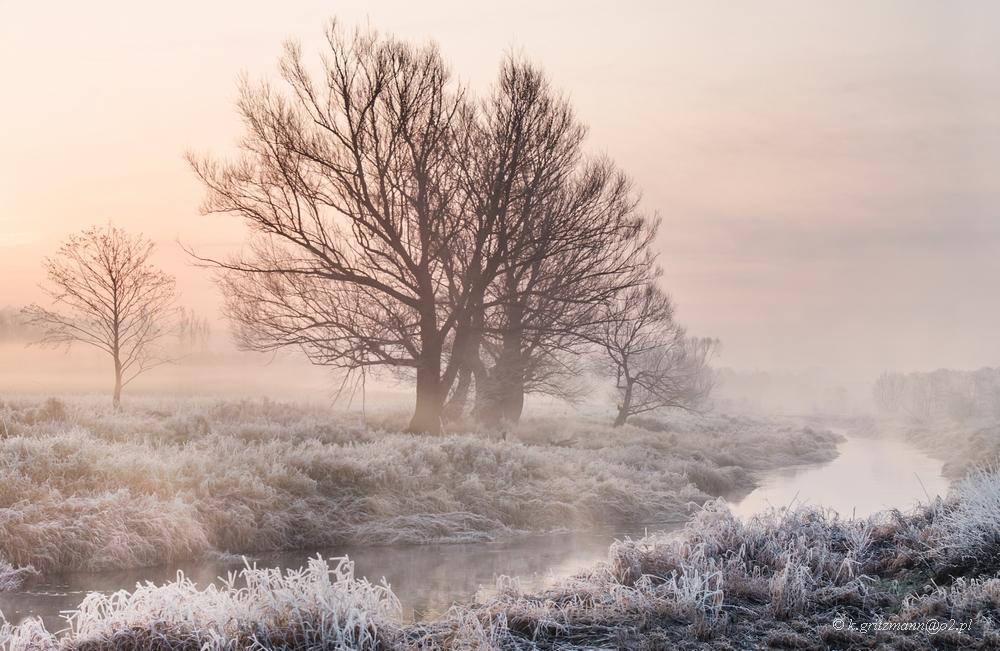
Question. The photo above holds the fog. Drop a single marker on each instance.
(827, 176)
(682, 313)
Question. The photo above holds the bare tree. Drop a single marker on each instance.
(347, 183)
(14, 326)
(399, 225)
(559, 234)
(962, 396)
(922, 396)
(989, 381)
(655, 364)
(116, 301)
(193, 332)
(888, 391)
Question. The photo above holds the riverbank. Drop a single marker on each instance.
(801, 578)
(86, 487)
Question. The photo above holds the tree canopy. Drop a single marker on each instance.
(399, 222)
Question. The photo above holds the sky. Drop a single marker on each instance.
(827, 174)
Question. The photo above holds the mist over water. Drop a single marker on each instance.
(869, 476)
(659, 257)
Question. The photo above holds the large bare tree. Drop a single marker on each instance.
(590, 245)
(396, 223)
(558, 234)
(655, 364)
(115, 300)
(346, 181)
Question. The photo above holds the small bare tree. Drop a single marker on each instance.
(116, 301)
(656, 365)
(888, 391)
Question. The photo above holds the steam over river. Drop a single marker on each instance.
(868, 476)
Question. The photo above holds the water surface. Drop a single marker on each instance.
(870, 475)
(427, 579)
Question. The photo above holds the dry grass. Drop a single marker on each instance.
(783, 579)
(87, 487)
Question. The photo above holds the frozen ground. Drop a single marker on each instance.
(801, 578)
(86, 487)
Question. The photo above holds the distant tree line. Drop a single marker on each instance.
(954, 395)
(401, 223)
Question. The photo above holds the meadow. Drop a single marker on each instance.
(88, 487)
(788, 578)
(85, 487)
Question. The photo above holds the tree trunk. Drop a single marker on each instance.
(466, 352)
(624, 409)
(430, 404)
(430, 394)
(505, 398)
(455, 408)
(512, 403)
(117, 399)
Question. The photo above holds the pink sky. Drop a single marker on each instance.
(828, 174)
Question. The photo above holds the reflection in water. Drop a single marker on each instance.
(427, 579)
(870, 475)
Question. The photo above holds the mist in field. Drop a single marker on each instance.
(499, 327)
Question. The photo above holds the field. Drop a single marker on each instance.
(86, 487)
(800, 578)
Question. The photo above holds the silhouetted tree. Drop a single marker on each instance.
(921, 396)
(962, 395)
(655, 364)
(116, 301)
(558, 234)
(193, 331)
(348, 185)
(398, 224)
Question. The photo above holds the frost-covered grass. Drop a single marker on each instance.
(87, 487)
(788, 578)
(967, 532)
(314, 607)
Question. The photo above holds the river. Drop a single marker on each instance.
(868, 476)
